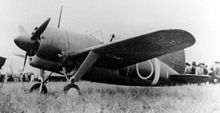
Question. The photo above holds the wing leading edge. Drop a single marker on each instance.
(137, 49)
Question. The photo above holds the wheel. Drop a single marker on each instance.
(72, 90)
(36, 87)
(214, 80)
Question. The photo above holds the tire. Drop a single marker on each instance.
(215, 80)
(69, 86)
(36, 87)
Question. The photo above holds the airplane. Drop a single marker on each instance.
(2, 61)
(146, 60)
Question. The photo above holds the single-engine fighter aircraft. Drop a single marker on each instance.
(143, 60)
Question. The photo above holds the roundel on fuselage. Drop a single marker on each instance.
(148, 69)
(145, 70)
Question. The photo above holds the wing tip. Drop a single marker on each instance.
(190, 38)
(187, 36)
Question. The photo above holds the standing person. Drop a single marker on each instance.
(187, 68)
(212, 72)
(217, 69)
(6, 78)
(205, 70)
(193, 68)
(32, 77)
(199, 69)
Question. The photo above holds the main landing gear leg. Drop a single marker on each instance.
(90, 59)
(71, 88)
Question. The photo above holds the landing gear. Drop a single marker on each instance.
(39, 88)
(84, 67)
(215, 80)
(72, 90)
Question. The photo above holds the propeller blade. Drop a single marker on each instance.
(40, 30)
(25, 59)
(22, 30)
(19, 55)
(12, 72)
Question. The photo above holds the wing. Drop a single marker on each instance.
(189, 78)
(137, 49)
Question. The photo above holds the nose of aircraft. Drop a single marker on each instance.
(25, 43)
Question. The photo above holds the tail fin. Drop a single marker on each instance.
(176, 60)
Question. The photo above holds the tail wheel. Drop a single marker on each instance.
(36, 87)
(72, 89)
(215, 80)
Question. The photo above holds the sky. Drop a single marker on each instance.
(126, 18)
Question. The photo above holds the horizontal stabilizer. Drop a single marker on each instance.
(189, 78)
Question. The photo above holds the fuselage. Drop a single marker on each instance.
(54, 42)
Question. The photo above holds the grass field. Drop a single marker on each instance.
(102, 98)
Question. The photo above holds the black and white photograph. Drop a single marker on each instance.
(109, 56)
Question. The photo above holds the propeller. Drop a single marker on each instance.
(19, 55)
(30, 43)
(40, 30)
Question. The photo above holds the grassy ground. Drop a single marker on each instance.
(101, 98)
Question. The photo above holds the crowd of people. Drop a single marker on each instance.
(26, 77)
(202, 69)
